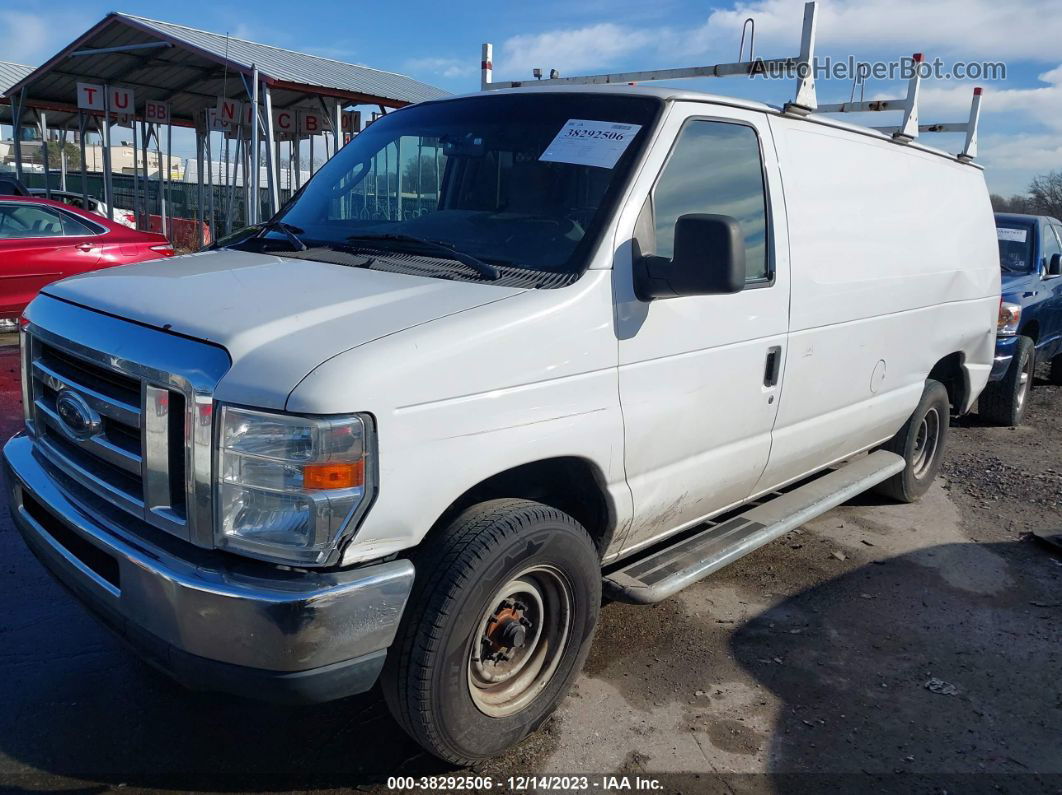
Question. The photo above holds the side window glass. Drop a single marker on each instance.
(74, 227)
(715, 168)
(1051, 245)
(28, 221)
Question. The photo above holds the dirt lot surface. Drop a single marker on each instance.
(879, 648)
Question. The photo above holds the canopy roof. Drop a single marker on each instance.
(191, 68)
(10, 73)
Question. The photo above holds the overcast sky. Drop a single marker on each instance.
(439, 43)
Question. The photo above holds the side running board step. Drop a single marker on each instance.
(669, 570)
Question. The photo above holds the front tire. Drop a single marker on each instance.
(497, 627)
(921, 443)
(1004, 401)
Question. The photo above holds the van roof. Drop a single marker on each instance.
(685, 95)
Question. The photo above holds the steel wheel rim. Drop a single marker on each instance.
(1023, 382)
(926, 440)
(500, 687)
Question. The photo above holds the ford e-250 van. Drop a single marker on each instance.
(502, 354)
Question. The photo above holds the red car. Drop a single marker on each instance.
(42, 241)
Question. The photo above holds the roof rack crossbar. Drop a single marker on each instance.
(909, 128)
(804, 101)
(969, 148)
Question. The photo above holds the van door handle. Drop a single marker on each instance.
(774, 365)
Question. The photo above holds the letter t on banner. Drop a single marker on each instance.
(89, 96)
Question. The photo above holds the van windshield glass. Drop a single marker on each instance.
(520, 182)
(1015, 248)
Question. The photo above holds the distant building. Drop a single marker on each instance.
(217, 175)
(122, 159)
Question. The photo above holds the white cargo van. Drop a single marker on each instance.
(504, 353)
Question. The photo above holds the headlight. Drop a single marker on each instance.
(1009, 318)
(290, 487)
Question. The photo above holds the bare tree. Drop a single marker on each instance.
(1045, 193)
(1014, 204)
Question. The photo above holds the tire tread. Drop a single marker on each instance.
(447, 561)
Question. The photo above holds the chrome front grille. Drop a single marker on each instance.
(147, 397)
(115, 454)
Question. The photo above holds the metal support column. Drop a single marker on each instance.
(199, 186)
(297, 155)
(230, 208)
(139, 207)
(146, 132)
(18, 107)
(337, 125)
(164, 180)
(210, 184)
(274, 194)
(62, 159)
(82, 126)
(105, 132)
(256, 120)
(42, 122)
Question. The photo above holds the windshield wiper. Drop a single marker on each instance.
(484, 269)
(290, 232)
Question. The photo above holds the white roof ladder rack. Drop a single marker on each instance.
(908, 129)
(969, 148)
(803, 101)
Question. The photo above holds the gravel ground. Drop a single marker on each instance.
(881, 647)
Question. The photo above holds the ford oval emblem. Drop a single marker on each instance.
(79, 420)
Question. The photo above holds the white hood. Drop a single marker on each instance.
(277, 317)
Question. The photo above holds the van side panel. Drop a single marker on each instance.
(894, 266)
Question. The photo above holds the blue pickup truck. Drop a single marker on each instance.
(1030, 313)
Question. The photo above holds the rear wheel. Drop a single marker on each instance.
(1003, 402)
(497, 627)
(921, 443)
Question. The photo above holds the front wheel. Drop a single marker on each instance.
(497, 627)
(1003, 402)
(921, 443)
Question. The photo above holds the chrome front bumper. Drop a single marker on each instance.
(211, 620)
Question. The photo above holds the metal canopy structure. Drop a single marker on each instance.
(10, 74)
(190, 69)
(142, 72)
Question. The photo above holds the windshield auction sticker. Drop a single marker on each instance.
(590, 143)
(1013, 235)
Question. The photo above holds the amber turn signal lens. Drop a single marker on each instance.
(345, 475)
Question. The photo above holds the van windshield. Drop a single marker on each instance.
(1015, 248)
(521, 182)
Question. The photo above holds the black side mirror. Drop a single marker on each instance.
(1054, 267)
(709, 260)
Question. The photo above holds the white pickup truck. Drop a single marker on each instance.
(503, 354)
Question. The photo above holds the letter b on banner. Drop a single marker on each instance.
(156, 112)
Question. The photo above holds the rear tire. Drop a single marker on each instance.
(921, 442)
(496, 629)
(1003, 402)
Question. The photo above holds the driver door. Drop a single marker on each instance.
(700, 376)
